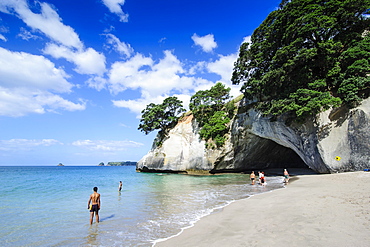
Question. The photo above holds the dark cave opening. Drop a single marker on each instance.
(261, 154)
(269, 154)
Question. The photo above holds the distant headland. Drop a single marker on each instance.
(122, 163)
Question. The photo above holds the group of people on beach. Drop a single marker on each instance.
(93, 204)
(262, 179)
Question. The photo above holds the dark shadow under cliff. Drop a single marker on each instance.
(263, 154)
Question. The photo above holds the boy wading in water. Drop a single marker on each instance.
(95, 205)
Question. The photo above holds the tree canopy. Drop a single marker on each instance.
(209, 107)
(204, 103)
(161, 116)
(307, 56)
(212, 112)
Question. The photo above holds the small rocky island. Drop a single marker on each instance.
(60, 164)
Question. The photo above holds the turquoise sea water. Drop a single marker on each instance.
(47, 206)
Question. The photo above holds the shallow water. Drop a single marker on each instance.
(47, 206)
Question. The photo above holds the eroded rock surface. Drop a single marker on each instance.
(255, 142)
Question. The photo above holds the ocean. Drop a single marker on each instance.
(47, 206)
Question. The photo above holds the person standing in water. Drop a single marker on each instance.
(263, 179)
(260, 175)
(94, 206)
(252, 177)
(120, 186)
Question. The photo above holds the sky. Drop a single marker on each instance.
(76, 74)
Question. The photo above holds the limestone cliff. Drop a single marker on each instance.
(255, 142)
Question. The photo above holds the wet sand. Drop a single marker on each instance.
(314, 210)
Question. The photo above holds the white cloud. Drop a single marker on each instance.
(22, 101)
(97, 82)
(162, 40)
(154, 80)
(26, 144)
(207, 42)
(198, 67)
(26, 35)
(247, 39)
(70, 47)
(115, 6)
(127, 74)
(47, 22)
(104, 145)
(3, 29)
(37, 72)
(32, 89)
(224, 67)
(88, 61)
(120, 47)
(2, 37)
(138, 105)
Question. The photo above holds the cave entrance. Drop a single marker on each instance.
(262, 154)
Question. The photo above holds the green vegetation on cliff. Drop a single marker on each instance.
(161, 116)
(212, 112)
(307, 56)
(211, 108)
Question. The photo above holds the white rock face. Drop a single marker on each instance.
(255, 142)
(182, 150)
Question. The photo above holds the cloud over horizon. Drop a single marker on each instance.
(105, 145)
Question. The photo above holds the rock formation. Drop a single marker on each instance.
(337, 140)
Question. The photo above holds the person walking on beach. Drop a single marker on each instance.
(252, 177)
(120, 186)
(94, 206)
(286, 176)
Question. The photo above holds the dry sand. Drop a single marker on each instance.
(315, 210)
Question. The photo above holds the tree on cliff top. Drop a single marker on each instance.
(162, 116)
(307, 56)
(204, 103)
(212, 112)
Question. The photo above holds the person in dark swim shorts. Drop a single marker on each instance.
(94, 206)
(252, 177)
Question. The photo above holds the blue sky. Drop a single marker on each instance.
(75, 74)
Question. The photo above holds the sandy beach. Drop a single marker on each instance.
(314, 210)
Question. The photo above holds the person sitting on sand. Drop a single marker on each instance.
(252, 177)
(95, 205)
(286, 176)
